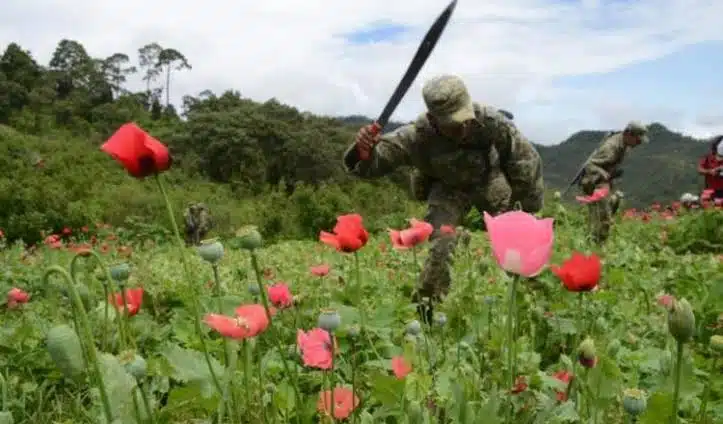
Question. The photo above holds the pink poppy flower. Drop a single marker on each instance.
(521, 243)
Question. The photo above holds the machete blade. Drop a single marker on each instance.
(423, 52)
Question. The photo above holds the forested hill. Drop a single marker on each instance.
(54, 116)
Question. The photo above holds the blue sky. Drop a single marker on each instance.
(375, 33)
(682, 78)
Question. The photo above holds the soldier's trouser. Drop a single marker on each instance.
(601, 216)
(448, 207)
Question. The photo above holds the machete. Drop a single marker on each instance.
(423, 52)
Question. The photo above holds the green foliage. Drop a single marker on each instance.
(700, 232)
(458, 366)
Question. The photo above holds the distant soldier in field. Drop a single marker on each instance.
(463, 155)
(198, 223)
(602, 168)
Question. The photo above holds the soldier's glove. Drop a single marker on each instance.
(366, 139)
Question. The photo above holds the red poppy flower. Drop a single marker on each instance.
(564, 377)
(344, 403)
(580, 273)
(596, 196)
(349, 234)
(315, 347)
(134, 299)
(520, 385)
(400, 367)
(447, 229)
(280, 295)
(139, 153)
(320, 270)
(17, 296)
(416, 234)
(250, 321)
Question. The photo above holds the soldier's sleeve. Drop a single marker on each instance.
(187, 217)
(522, 165)
(391, 152)
(605, 157)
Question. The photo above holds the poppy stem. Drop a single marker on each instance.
(187, 272)
(272, 329)
(125, 318)
(85, 334)
(106, 291)
(676, 390)
(362, 311)
(332, 381)
(706, 392)
(511, 314)
(4, 406)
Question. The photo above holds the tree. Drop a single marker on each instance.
(72, 67)
(115, 69)
(147, 60)
(171, 59)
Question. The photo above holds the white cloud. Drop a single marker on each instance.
(509, 51)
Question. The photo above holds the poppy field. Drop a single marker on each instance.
(540, 325)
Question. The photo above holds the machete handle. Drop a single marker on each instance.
(373, 129)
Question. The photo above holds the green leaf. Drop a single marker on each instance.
(190, 366)
(659, 409)
(387, 389)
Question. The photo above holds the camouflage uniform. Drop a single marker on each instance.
(491, 169)
(198, 223)
(603, 167)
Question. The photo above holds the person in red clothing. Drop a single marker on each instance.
(711, 166)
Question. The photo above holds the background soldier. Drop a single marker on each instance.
(602, 168)
(465, 155)
(198, 223)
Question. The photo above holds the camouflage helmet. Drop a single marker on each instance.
(637, 128)
(448, 100)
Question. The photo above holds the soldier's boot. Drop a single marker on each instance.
(435, 279)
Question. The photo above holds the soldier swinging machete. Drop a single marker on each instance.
(464, 155)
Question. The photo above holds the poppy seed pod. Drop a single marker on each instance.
(329, 320)
(210, 251)
(441, 319)
(134, 364)
(249, 238)
(634, 401)
(414, 328)
(681, 321)
(614, 347)
(120, 272)
(716, 342)
(586, 353)
(353, 332)
(254, 289)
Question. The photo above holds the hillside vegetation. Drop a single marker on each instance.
(263, 163)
